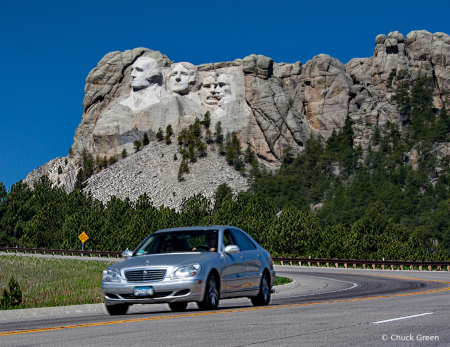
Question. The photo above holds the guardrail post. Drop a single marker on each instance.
(411, 268)
(401, 267)
(299, 263)
(327, 264)
(309, 263)
(382, 267)
(345, 265)
(354, 266)
(448, 268)
(281, 262)
(429, 267)
(336, 265)
(373, 266)
(364, 266)
(439, 268)
(290, 263)
(318, 264)
(392, 267)
(420, 268)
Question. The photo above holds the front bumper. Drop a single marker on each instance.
(165, 291)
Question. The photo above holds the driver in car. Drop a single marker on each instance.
(211, 241)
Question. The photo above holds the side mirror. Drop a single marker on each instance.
(230, 249)
(127, 254)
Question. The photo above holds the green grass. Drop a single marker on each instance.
(47, 282)
(281, 280)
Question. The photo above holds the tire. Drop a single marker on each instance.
(178, 306)
(263, 297)
(117, 310)
(211, 299)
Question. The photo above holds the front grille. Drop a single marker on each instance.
(145, 275)
(155, 295)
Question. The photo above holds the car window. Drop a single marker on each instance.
(243, 241)
(228, 238)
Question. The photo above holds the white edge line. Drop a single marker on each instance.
(407, 317)
(354, 285)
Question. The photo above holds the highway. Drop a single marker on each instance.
(331, 307)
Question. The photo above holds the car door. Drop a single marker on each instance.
(234, 273)
(252, 260)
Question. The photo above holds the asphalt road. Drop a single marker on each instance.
(332, 307)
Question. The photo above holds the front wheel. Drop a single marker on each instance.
(263, 297)
(211, 299)
(178, 306)
(117, 310)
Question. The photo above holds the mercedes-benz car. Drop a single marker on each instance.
(192, 264)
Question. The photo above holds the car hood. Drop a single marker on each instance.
(172, 259)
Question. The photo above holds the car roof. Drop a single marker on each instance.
(200, 227)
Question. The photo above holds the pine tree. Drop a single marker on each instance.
(137, 145)
(167, 139)
(223, 193)
(249, 155)
(196, 130)
(175, 156)
(124, 153)
(201, 148)
(60, 171)
(145, 140)
(402, 97)
(442, 126)
(377, 136)
(169, 130)
(218, 134)
(206, 119)
(184, 168)
(160, 135)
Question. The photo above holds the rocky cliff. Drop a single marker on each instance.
(270, 106)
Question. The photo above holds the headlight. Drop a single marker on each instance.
(111, 276)
(186, 271)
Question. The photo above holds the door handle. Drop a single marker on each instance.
(242, 257)
(259, 255)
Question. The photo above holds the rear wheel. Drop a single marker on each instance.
(178, 306)
(263, 297)
(117, 310)
(211, 299)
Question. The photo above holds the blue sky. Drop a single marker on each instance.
(49, 47)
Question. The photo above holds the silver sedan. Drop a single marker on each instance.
(192, 264)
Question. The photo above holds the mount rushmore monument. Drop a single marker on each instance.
(271, 106)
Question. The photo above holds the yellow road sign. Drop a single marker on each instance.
(83, 237)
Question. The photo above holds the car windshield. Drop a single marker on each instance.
(179, 241)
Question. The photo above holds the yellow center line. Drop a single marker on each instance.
(197, 314)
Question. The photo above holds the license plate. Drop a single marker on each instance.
(143, 291)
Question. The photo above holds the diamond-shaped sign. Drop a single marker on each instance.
(83, 237)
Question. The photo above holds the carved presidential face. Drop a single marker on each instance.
(179, 79)
(224, 89)
(210, 91)
(143, 72)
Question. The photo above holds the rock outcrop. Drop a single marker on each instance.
(270, 106)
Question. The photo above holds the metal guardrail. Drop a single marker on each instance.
(439, 265)
(384, 264)
(59, 251)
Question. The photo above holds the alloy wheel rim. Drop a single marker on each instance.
(212, 292)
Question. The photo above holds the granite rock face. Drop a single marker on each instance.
(326, 93)
(271, 106)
